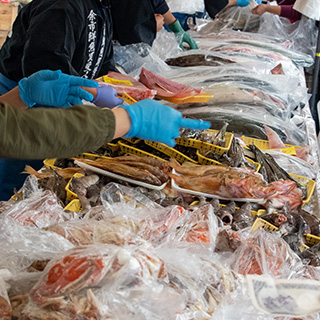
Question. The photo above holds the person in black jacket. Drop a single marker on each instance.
(73, 36)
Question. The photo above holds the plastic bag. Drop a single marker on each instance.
(245, 121)
(22, 245)
(283, 46)
(264, 253)
(182, 6)
(235, 17)
(93, 280)
(200, 277)
(41, 209)
(165, 44)
(5, 305)
(131, 58)
(293, 164)
(302, 33)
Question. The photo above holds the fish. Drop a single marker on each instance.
(271, 171)
(165, 87)
(228, 182)
(123, 169)
(199, 59)
(274, 141)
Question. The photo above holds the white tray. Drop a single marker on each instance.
(119, 177)
(209, 195)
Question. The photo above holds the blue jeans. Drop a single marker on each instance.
(10, 169)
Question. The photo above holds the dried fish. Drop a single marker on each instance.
(114, 165)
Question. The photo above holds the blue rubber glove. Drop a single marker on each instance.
(182, 36)
(151, 120)
(54, 88)
(106, 97)
(243, 3)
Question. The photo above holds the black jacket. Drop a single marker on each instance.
(74, 36)
(214, 6)
(133, 21)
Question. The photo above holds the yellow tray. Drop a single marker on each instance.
(180, 157)
(112, 146)
(264, 145)
(74, 206)
(198, 144)
(207, 161)
(50, 163)
(312, 240)
(260, 223)
(132, 150)
(200, 98)
(128, 99)
(306, 182)
(70, 194)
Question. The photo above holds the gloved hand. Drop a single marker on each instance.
(54, 88)
(181, 35)
(106, 97)
(243, 3)
(151, 120)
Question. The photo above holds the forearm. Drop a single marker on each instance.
(169, 18)
(273, 9)
(13, 98)
(122, 122)
(49, 133)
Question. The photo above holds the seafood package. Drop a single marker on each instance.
(126, 84)
(165, 88)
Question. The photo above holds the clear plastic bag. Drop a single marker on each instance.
(182, 6)
(22, 245)
(5, 305)
(92, 281)
(265, 253)
(41, 209)
(237, 18)
(165, 44)
(131, 58)
(302, 33)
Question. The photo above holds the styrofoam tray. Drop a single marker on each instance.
(209, 195)
(119, 177)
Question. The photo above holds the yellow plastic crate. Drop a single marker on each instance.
(198, 144)
(112, 146)
(171, 152)
(132, 150)
(207, 161)
(74, 206)
(50, 163)
(312, 240)
(306, 182)
(200, 98)
(260, 223)
(70, 194)
(264, 145)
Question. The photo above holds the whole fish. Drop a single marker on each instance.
(125, 170)
(198, 59)
(271, 171)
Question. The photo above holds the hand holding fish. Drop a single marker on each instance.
(55, 89)
(151, 120)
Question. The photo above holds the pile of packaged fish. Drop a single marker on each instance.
(223, 226)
